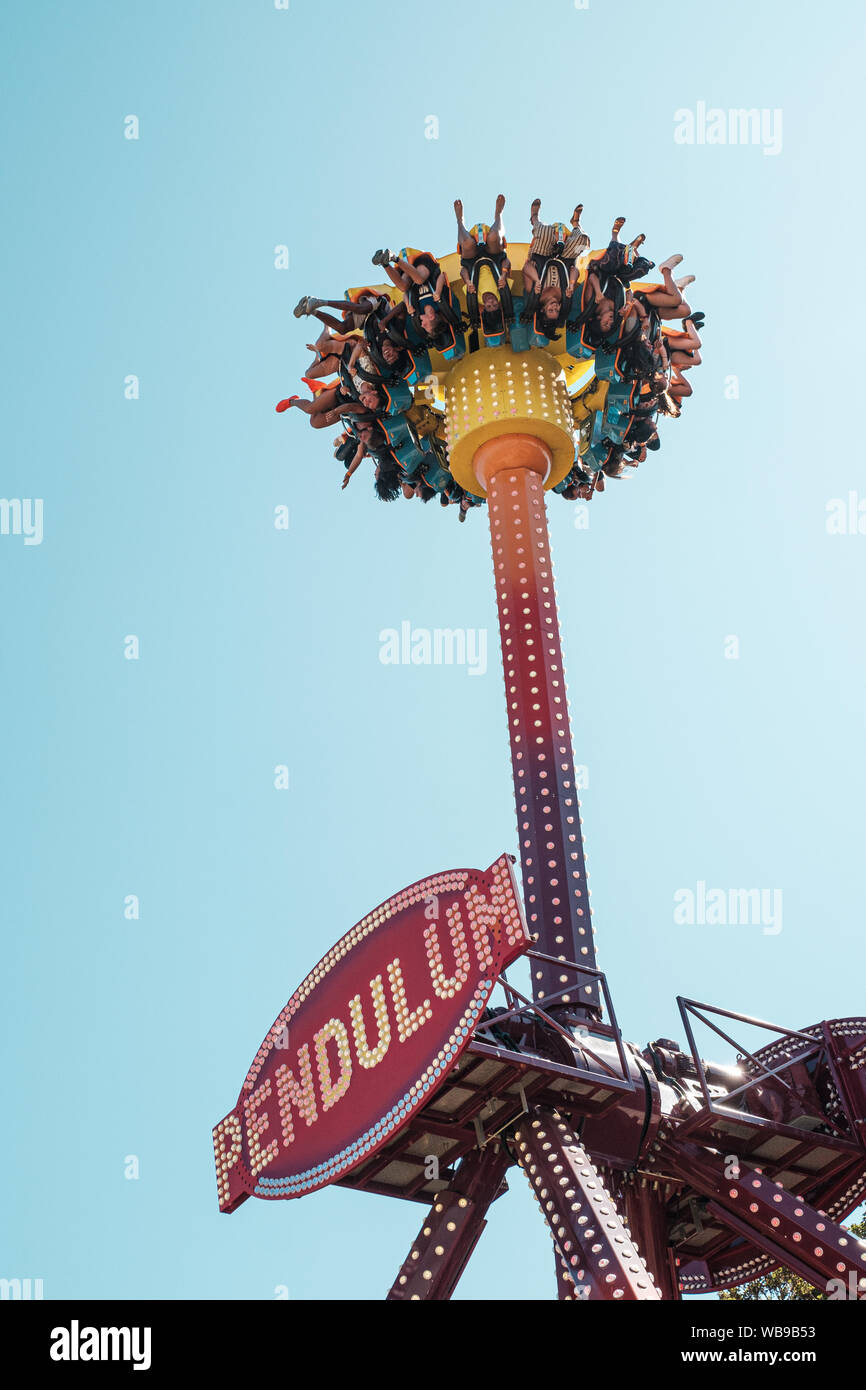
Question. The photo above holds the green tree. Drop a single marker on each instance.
(782, 1284)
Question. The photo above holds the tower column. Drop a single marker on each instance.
(510, 434)
(512, 468)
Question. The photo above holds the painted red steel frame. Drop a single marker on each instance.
(590, 1236)
(556, 894)
(598, 1256)
(779, 1222)
(451, 1230)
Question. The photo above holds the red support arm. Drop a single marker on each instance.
(644, 1206)
(451, 1231)
(778, 1222)
(590, 1237)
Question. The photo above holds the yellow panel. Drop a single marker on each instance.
(496, 391)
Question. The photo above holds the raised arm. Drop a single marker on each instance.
(531, 279)
(359, 455)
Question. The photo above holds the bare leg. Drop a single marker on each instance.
(534, 210)
(679, 387)
(686, 340)
(684, 361)
(322, 405)
(396, 277)
(329, 321)
(417, 274)
(323, 366)
(669, 297)
(530, 277)
(327, 418)
(466, 244)
(359, 311)
(495, 235)
(667, 306)
(362, 306)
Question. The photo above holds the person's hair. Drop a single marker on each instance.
(546, 328)
(361, 420)
(493, 320)
(427, 493)
(640, 431)
(429, 264)
(387, 483)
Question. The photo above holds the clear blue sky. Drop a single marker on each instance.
(155, 257)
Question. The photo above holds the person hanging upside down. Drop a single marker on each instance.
(621, 258)
(669, 301)
(355, 311)
(550, 272)
(422, 270)
(483, 249)
(554, 238)
(330, 350)
(433, 312)
(371, 443)
(683, 353)
(331, 405)
(611, 300)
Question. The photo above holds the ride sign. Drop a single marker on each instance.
(370, 1035)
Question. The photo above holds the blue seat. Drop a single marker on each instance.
(605, 366)
(618, 408)
(400, 397)
(420, 368)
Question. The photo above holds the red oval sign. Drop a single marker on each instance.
(370, 1035)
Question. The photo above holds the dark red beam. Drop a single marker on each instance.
(451, 1231)
(548, 816)
(779, 1222)
(590, 1236)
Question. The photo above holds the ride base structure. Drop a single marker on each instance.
(390, 1069)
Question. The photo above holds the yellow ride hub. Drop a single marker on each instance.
(495, 392)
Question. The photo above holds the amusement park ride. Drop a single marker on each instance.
(393, 1070)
